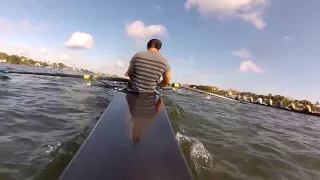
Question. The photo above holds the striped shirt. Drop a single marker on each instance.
(143, 110)
(147, 68)
(142, 106)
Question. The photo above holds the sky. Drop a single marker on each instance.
(262, 46)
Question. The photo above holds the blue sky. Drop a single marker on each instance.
(261, 46)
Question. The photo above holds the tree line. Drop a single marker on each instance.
(15, 59)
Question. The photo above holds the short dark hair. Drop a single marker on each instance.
(154, 43)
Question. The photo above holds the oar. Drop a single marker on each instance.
(86, 76)
(3, 77)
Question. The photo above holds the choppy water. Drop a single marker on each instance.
(44, 120)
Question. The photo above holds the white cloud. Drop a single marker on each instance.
(140, 31)
(247, 66)
(79, 40)
(243, 53)
(287, 38)
(157, 7)
(44, 50)
(246, 10)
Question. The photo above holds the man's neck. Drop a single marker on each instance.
(153, 49)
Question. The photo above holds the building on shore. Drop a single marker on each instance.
(3, 60)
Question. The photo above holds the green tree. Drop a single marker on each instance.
(14, 59)
(3, 55)
(222, 92)
(44, 64)
(61, 65)
(55, 65)
(286, 101)
(22, 58)
(305, 102)
(31, 62)
(278, 98)
(207, 88)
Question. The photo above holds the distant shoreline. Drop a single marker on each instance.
(21, 60)
(300, 104)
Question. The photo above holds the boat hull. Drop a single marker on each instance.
(109, 153)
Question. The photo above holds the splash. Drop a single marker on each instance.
(53, 147)
(182, 91)
(199, 157)
(207, 97)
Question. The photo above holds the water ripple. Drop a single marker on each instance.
(249, 141)
(37, 112)
(44, 120)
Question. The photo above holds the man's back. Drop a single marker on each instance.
(147, 67)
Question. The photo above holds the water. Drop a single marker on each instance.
(44, 120)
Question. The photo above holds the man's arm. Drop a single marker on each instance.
(165, 79)
(129, 71)
(165, 76)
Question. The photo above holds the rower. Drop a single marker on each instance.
(292, 106)
(259, 101)
(307, 108)
(280, 104)
(244, 97)
(147, 67)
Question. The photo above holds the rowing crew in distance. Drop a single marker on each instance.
(268, 102)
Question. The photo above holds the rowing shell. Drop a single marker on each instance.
(133, 140)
